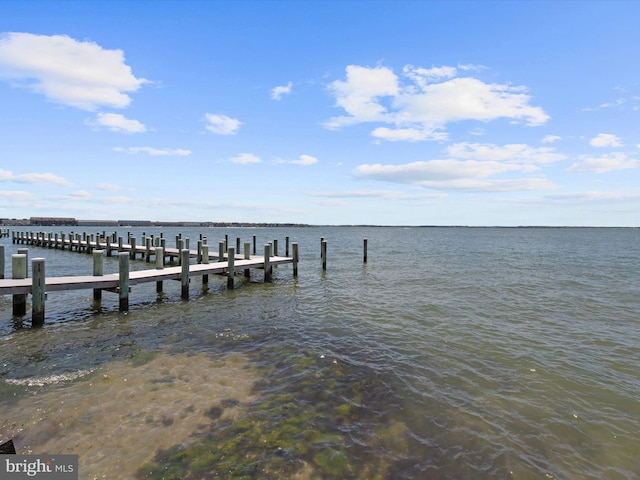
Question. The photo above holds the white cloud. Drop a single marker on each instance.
(17, 195)
(222, 124)
(434, 170)
(470, 167)
(301, 160)
(108, 186)
(516, 152)
(34, 178)
(79, 74)
(593, 196)
(420, 108)
(605, 140)
(551, 139)
(359, 94)
(118, 123)
(154, 151)
(384, 194)
(278, 92)
(245, 158)
(604, 163)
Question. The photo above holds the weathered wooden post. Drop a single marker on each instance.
(25, 252)
(247, 256)
(221, 251)
(204, 258)
(18, 269)
(365, 249)
(120, 243)
(275, 247)
(231, 270)
(226, 242)
(163, 244)
(98, 271)
(147, 253)
(38, 292)
(132, 242)
(199, 254)
(267, 262)
(184, 274)
(159, 266)
(324, 254)
(1, 261)
(123, 263)
(254, 245)
(295, 252)
(286, 246)
(180, 248)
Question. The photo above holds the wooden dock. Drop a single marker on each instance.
(225, 262)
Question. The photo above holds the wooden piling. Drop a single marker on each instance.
(38, 292)
(231, 270)
(25, 252)
(159, 266)
(254, 245)
(205, 259)
(220, 251)
(294, 247)
(365, 249)
(132, 242)
(18, 269)
(286, 246)
(1, 262)
(247, 256)
(184, 275)
(323, 254)
(98, 271)
(267, 262)
(123, 263)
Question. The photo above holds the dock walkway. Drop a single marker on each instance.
(225, 262)
(111, 281)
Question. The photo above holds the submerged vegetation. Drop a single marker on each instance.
(333, 424)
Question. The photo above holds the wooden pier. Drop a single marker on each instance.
(225, 262)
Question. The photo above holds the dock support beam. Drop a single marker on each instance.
(38, 292)
(123, 258)
(18, 269)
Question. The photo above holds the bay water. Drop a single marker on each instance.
(453, 353)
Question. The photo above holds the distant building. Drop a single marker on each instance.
(134, 223)
(97, 223)
(53, 221)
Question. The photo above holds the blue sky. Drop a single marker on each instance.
(345, 112)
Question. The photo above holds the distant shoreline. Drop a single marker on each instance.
(72, 222)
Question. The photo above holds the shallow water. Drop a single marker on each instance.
(453, 353)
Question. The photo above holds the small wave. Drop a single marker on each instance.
(47, 380)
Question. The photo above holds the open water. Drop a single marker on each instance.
(454, 353)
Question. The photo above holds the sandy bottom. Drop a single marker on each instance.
(119, 417)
